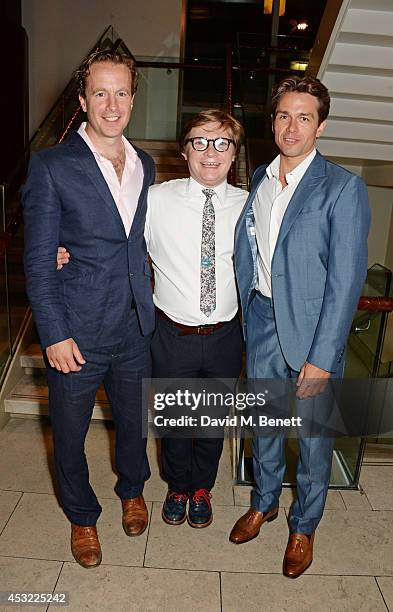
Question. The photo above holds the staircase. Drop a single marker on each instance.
(241, 169)
(30, 394)
(169, 162)
(357, 68)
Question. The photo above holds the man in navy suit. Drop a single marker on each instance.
(301, 260)
(95, 316)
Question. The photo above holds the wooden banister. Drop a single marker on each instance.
(375, 304)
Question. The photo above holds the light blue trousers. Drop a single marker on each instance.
(265, 361)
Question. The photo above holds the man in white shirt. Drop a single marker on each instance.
(190, 228)
(301, 260)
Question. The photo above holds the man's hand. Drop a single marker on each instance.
(65, 356)
(63, 257)
(311, 381)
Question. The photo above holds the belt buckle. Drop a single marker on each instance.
(205, 330)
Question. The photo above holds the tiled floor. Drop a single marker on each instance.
(179, 568)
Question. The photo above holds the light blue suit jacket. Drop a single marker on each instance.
(319, 263)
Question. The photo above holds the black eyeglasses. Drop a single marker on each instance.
(201, 144)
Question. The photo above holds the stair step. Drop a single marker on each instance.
(169, 163)
(162, 166)
(147, 145)
(30, 396)
(169, 176)
(32, 357)
(170, 160)
(158, 154)
(378, 454)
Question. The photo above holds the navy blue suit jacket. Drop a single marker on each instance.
(67, 202)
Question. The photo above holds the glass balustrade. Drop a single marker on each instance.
(170, 92)
(369, 356)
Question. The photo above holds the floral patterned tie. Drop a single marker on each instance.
(208, 261)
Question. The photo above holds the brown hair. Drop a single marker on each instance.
(214, 115)
(105, 56)
(307, 84)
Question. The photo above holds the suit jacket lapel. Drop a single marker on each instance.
(249, 203)
(304, 191)
(87, 160)
(145, 186)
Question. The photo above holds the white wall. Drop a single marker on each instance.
(61, 32)
(381, 203)
(154, 115)
(380, 249)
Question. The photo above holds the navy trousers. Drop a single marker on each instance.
(266, 361)
(120, 368)
(190, 464)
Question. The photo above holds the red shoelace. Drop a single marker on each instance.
(178, 497)
(202, 495)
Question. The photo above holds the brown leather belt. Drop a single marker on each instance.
(202, 330)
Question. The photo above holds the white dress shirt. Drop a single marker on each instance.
(173, 234)
(270, 204)
(126, 193)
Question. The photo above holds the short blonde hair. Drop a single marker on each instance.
(214, 115)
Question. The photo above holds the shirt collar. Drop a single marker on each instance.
(131, 154)
(296, 174)
(195, 189)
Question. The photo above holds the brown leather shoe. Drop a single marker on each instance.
(85, 546)
(135, 516)
(298, 555)
(248, 525)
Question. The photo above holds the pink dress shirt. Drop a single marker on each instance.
(126, 193)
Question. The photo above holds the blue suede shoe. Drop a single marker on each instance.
(200, 510)
(174, 508)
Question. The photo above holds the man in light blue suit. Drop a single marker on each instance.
(301, 260)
